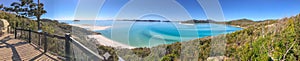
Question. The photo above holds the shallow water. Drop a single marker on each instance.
(147, 34)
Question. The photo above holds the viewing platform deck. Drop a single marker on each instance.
(19, 50)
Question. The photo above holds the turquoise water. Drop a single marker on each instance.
(147, 34)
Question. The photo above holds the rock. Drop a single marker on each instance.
(216, 58)
(4, 25)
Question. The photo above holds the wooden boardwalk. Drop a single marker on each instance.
(18, 50)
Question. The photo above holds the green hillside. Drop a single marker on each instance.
(263, 41)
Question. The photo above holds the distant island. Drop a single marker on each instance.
(198, 21)
(76, 20)
(147, 20)
(187, 21)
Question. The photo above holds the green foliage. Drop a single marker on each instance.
(169, 57)
(26, 8)
(266, 41)
(141, 52)
(1, 6)
(174, 49)
(255, 51)
(204, 48)
(103, 49)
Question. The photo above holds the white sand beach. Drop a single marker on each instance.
(100, 38)
(91, 27)
(108, 42)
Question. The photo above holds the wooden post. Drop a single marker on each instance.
(7, 29)
(15, 33)
(21, 34)
(67, 46)
(39, 25)
(16, 30)
(45, 42)
(29, 35)
(38, 19)
(39, 40)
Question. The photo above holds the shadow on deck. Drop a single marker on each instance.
(19, 50)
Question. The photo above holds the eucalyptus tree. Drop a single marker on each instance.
(16, 8)
(1, 6)
(25, 4)
(35, 10)
(27, 8)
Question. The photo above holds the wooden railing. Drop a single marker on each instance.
(29, 36)
(69, 42)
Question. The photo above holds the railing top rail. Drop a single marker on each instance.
(85, 49)
(42, 33)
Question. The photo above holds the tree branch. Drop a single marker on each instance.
(288, 50)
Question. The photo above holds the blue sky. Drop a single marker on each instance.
(232, 9)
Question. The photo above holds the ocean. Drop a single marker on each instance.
(148, 34)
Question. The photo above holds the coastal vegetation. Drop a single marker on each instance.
(266, 40)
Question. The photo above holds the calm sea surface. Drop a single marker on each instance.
(147, 34)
